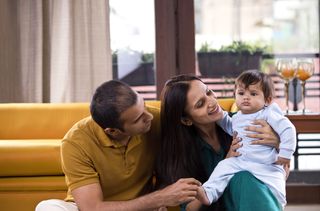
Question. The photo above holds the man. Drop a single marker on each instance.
(108, 158)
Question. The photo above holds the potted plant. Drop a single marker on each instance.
(229, 60)
(144, 73)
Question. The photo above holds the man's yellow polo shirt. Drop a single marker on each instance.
(124, 172)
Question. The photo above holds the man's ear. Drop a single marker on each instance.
(112, 131)
(186, 121)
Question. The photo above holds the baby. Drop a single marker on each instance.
(254, 94)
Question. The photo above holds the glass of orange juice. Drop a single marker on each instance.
(305, 69)
(287, 70)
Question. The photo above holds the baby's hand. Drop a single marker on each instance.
(283, 161)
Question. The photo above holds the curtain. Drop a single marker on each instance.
(53, 50)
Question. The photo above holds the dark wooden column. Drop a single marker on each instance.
(175, 39)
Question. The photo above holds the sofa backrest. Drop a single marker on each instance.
(39, 120)
(50, 120)
(227, 104)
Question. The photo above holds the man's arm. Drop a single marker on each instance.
(90, 197)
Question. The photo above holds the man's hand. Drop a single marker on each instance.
(184, 190)
(236, 144)
(264, 134)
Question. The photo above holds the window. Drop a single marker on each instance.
(287, 26)
(132, 33)
(282, 28)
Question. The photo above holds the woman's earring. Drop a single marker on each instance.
(186, 121)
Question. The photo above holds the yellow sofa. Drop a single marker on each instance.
(30, 138)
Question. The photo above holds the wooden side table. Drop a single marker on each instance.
(301, 192)
(304, 123)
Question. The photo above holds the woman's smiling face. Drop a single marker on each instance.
(202, 107)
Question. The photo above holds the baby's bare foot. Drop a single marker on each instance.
(202, 196)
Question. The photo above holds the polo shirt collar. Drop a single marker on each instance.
(105, 141)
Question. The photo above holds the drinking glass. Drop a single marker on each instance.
(287, 69)
(305, 69)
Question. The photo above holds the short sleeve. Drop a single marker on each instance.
(77, 166)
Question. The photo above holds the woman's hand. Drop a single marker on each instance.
(287, 170)
(264, 134)
(285, 163)
(234, 146)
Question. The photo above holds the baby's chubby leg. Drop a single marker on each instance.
(220, 178)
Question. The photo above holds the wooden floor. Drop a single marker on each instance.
(300, 193)
(315, 207)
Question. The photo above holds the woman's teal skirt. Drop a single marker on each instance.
(247, 193)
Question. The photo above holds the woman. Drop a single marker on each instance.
(193, 145)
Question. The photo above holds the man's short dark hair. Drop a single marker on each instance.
(109, 101)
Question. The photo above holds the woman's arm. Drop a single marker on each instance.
(235, 144)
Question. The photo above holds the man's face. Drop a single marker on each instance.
(136, 119)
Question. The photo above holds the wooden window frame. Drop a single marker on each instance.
(175, 40)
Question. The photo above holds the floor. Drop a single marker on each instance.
(308, 207)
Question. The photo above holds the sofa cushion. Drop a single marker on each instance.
(30, 157)
(52, 183)
(39, 120)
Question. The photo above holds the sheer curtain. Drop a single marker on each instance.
(53, 51)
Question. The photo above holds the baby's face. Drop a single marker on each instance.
(251, 99)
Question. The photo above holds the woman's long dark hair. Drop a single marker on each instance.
(179, 153)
